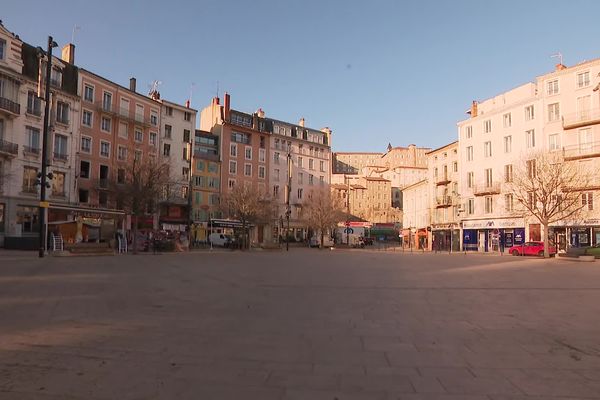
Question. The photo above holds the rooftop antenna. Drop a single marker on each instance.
(154, 86)
(75, 29)
(192, 88)
(559, 56)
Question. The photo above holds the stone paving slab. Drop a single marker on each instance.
(306, 324)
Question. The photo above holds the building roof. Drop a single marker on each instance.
(455, 143)
(358, 187)
(421, 182)
(376, 178)
(338, 186)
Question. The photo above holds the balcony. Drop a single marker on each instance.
(8, 148)
(486, 189)
(12, 107)
(442, 180)
(31, 151)
(443, 201)
(580, 119)
(140, 119)
(580, 151)
(108, 108)
(60, 156)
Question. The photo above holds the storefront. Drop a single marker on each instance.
(492, 235)
(581, 233)
(445, 237)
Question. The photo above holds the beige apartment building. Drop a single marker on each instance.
(557, 113)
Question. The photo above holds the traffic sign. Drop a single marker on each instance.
(44, 204)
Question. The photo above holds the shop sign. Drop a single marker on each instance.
(492, 223)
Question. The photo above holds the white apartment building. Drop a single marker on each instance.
(416, 217)
(558, 112)
(444, 197)
(21, 133)
(310, 152)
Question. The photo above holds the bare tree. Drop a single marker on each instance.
(322, 211)
(549, 188)
(139, 190)
(247, 204)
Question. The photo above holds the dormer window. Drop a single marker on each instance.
(56, 78)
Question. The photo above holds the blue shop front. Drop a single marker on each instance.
(487, 235)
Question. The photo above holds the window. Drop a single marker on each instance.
(489, 201)
(276, 174)
(84, 169)
(583, 107)
(435, 172)
(139, 136)
(277, 144)
(104, 149)
(86, 118)
(470, 206)
(487, 149)
(166, 149)
(122, 153)
(587, 199)
(30, 179)
(247, 169)
(120, 176)
(585, 140)
(33, 140)
(507, 144)
(553, 112)
(311, 179)
(552, 87)
(240, 137)
(488, 178)
(27, 217)
(213, 167)
(2, 50)
(583, 79)
(56, 78)
(199, 165)
(107, 101)
(276, 191)
(311, 164)
(168, 131)
(469, 132)
(300, 192)
(262, 155)
(487, 126)
(299, 162)
(530, 136)
(154, 119)
(248, 153)
(105, 124)
(123, 130)
(554, 142)
(261, 171)
(508, 173)
(58, 183)
(322, 166)
(153, 138)
(213, 182)
(62, 112)
(321, 180)
(34, 104)
(232, 167)
(84, 196)
(231, 183)
(186, 135)
(531, 170)
(507, 120)
(88, 93)
(60, 147)
(455, 166)
(233, 150)
(137, 155)
(508, 202)
(529, 113)
(187, 116)
(86, 144)
(470, 153)
(276, 157)
(300, 178)
(169, 111)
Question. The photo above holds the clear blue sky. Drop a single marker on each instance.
(375, 72)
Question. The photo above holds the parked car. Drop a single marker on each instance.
(368, 241)
(220, 239)
(531, 249)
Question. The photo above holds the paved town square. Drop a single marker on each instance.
(308, 324)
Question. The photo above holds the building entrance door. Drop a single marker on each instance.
(481, 241)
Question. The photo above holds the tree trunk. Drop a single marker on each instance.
(322, 238)
(546, 249)
(244, 233)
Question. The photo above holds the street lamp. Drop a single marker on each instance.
(43, 175)
(288, 210)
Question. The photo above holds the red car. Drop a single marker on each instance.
(531, 249)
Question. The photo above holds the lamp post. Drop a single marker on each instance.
(190, 191)
(288, 210)
(43, 174)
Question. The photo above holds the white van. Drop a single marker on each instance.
(219, 239)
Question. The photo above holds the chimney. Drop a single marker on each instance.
(260, 113)
(560, 67)
(187, 103)
(301, 122)
(474, 109)
(215, 101)
(226, 106)
(132, 84)
(68, 53)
